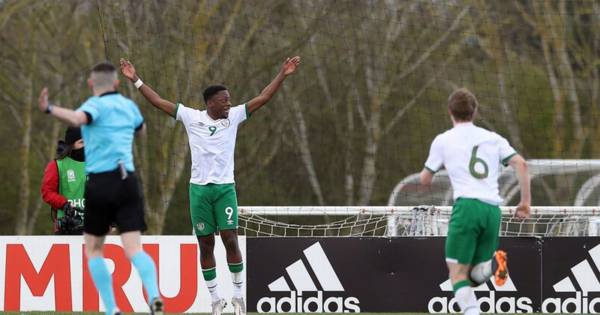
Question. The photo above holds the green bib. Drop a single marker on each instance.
(71, 183)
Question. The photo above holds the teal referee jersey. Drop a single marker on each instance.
(108, 137)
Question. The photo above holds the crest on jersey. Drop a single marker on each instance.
(71, 175)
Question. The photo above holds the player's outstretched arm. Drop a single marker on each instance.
(289, 67)
(71, 117)
(129, 72)
(519, 164)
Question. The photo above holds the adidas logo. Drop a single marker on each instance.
(584, 276)
(488, 303)
(298, 275)
(509, 286)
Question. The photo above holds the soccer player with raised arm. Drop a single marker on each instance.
(108, 123)
(213, 202)
(472, 158)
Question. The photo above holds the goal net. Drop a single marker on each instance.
(400, 218)
(581, 177)
(407, 221)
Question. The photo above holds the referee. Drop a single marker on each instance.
(108, 123)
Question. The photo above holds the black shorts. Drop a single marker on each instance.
(109, 199)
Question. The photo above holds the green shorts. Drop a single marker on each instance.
(473, 232)
(213, 207)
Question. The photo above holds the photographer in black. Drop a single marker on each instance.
(63, 185)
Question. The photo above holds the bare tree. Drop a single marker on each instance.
(488, 26)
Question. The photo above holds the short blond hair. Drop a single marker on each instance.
(104, 75)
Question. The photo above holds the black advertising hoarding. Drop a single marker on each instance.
(377, 275)
(571, 275)
(520, 294)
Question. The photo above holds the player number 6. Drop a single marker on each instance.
(474, 161)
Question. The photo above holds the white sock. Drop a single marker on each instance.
(212, 288)
(238, 284)
(481, 272)
(467, 301)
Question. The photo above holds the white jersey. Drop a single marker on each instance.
(212, 143)
(472, 157)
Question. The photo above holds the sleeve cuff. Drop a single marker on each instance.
(89, 117)
(506, 159)
(176, 109)
(248, 113)
(431, 170)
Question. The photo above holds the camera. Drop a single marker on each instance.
(72, 222)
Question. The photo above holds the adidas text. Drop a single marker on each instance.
(296, 303)
(487, 304)
(573, 305)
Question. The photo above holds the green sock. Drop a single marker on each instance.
(209, 274)
(461, 284)
(236, 277)
(236, 267)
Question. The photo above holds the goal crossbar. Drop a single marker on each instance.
(389, 210)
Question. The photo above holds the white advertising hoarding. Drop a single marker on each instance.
(49, 273)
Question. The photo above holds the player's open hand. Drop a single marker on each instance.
(43, 100)
(128, 70)
(290, 65)
(523, 211)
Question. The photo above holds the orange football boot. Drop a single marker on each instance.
(501, 272)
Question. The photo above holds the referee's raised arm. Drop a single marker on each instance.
(69, 116)
(129, 72)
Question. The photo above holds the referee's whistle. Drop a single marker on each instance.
(123, 170)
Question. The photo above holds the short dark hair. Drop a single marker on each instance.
(72, 134)
(462, 104)
(212, 90)
(104, 66)
(64, 147)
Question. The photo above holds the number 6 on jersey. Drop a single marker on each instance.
(474, 161)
